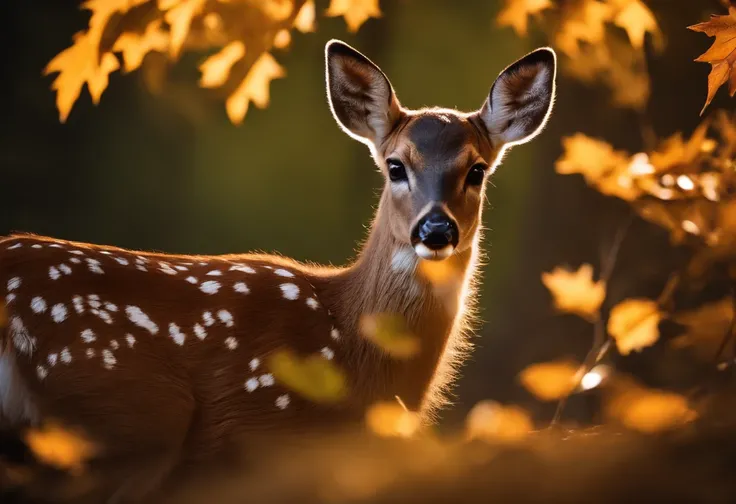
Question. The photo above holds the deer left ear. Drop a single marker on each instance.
(521, 99)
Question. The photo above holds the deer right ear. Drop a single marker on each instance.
(361, 97)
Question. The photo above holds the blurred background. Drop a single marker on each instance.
(157, 165)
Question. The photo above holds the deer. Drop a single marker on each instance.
(165, 354)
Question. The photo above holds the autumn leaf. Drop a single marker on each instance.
(589, 156)
(583, 22)
(574, 291)
(355, 12)
(493, 422)
(254, 88)
(390, 333)
(550, 381)
(314, 377)
(180, 18)
(675, 151)
(392, 419)
(633, 324)
(637, 20)
(516, 13)
(59, 447)
(304, 21)
(135, 47)
(646, 410)
(216, 69)
(721, 55)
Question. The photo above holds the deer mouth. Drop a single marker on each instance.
(429, 254)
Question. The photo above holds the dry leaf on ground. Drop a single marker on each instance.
(493, 422)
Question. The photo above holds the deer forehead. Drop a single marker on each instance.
(437, 141)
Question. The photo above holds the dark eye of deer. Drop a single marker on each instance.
(396, 171)
(476, 175)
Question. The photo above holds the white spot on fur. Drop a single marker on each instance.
(64, 268)
(266, 380)
(335, 334)
(192, 280)
(181, 268)
(55, 245)
(54, 273)
(38, 304)
(241, 287)
(282, 401)
(52, 358)
(94, 301)
(41, 372)
(200, 331)
(78, 303)
(22, 341)
(140, 260)
(94, 266)
(14, 283)
(122, 261)
(65, 356)
(16, 246)
(208, 318)
(90, 353)
(210, 287)
(9, 298)
(59, 313)
(290, 291)
(108, 359)
(75, 260)
(312, 303)
(225, 317)
(284, 273)
(251, 384)
(214, 273)
(114, 344)
(105, 252)
(166, 268)
(88, 336)
(327, 353)
(130, 339)
(76, 252)
(231, 343)
(176, 334)
(242, 268)
(140, 319)
(254, 364)
(111, 307)
(104, 316)
(36, 246)
(140, 267)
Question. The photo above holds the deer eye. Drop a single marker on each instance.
(396, 170)
(476, 175)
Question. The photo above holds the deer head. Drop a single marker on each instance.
(436, 161)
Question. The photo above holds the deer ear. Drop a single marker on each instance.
(521, 99)
(361, 97)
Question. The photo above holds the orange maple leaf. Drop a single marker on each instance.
(721, 55)
(516, 13)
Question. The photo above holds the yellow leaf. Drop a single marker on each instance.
(180, 18)
(216, 69)
(633, 324)
(390, 333)
(315, 377)
(588, 156)
(550, 381)
(59, 447)
(76, 66)
(355, 12)
(637, 20)
(277, 10)
(517, 12)
(645, 410)
(304, 21)
(583, 23)
(391, 419)
(675, 151)
(721, 55)
(491, 421)
(575, 292)
(255, 87)
(706, 325)
(282, 39)
(135, 47)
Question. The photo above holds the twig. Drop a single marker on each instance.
(600, 345)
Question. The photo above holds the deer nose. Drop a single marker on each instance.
(437, 232)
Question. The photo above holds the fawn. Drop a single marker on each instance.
(164, 354)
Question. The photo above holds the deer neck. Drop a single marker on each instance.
(388, 277)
